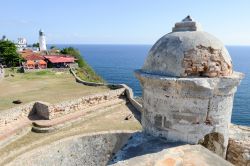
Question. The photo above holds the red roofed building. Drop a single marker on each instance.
(34, 57)
(59, 61)
(34, 61)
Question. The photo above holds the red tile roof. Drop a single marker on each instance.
(42, 62)
(34, 57)
(29, 62)
(60, 59)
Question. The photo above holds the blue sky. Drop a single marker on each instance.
(121, 21)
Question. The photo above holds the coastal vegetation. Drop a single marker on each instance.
(8, 54)
(35, 45)
(85, 72)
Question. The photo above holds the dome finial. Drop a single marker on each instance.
(188, 18)
(187, 24)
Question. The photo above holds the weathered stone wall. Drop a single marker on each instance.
(89, 149)
(206, 61)
(63, 108)
(187, 109)
(238, 151)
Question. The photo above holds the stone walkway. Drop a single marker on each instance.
(12, 129)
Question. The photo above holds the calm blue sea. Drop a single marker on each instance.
(116, 63)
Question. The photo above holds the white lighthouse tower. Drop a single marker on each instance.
(42, 41)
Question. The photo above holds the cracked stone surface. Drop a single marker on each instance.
(188, 51)
(206, 61)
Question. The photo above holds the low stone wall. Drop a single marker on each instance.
(129, 91)
(238, 151)
(47, 69)
(56, 110)
(130, 97)
(85, 82)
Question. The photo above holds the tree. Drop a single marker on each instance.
(35, 45)
(8, 53)
(85, 72)
(53, 47)
(76, 54)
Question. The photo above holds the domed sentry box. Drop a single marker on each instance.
(188, 87)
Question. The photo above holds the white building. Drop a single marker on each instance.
(21, 43)
(42, 41)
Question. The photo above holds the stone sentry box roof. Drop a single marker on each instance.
(188, 51)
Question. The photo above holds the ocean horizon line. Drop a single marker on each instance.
(110, 44)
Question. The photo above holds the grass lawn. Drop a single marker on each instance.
(45, 86)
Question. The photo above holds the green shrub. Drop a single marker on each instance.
(85, 72)
(8, 53)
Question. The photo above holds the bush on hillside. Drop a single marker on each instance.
(85, 72)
